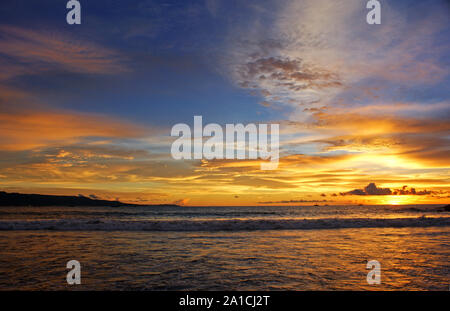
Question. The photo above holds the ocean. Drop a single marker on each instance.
(225, 248)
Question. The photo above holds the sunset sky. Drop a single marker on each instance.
(87, 109)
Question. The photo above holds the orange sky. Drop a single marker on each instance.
(356, 105)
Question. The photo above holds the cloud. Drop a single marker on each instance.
(412, 191)
(345, 89)
(108, 162)
(275, 75)
(256, 182)
(423, 141)
(287, 161)
(315, 52)
(35, 129)
(372, 189)
(26, 51)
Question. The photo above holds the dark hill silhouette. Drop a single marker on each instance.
(19, 199)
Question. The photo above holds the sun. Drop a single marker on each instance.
(398, 199)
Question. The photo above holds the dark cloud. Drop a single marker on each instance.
(412, 191)
(372, 189)
(288, 71)
(284, 74)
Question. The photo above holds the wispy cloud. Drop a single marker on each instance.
(27, 51)
(316, 50)
(34, 129)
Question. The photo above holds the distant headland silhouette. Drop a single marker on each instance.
(20, 199)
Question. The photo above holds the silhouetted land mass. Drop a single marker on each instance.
(19, 199)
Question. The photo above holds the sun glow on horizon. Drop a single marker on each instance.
(398, 200)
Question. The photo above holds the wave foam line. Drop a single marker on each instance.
(221, 225)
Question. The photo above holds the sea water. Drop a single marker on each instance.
(225, 248)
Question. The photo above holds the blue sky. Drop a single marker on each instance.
(171, 51)
(176, 55)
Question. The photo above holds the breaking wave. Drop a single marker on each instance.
(221, 225)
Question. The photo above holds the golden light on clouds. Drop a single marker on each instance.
(348, 118)
(26, 130)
